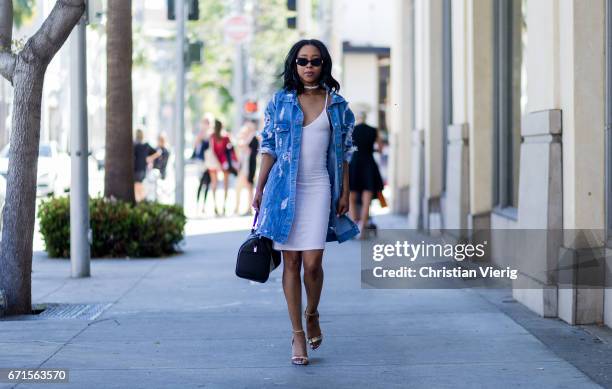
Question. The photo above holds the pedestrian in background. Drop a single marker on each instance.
(300, 207)
(159, 162)
(220, 158)
(161, 156)
(365, 180)
(247, 145)
(142, 153)
(201, 144)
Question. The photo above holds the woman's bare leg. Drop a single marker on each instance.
(213, 187)
(138, 191)
(292, 286)
(366, 199)
(239, 185)
(313, 282)
(226, 175)
(250, 186)
(353, 206)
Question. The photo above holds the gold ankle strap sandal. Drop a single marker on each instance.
(315, 341)
(298, 359)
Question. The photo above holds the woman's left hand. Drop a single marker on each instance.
(343, 204)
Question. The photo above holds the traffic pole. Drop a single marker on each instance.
(238, 82)
(80, 233)
(179, 157)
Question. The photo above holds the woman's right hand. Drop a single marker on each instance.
(257, 200)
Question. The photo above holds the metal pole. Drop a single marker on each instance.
(608, 126)
(79, 196)
(304, 9)
(179, 10)
(324, 15)
(237, 89)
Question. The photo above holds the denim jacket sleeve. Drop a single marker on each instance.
(348, 123)
(268, 143)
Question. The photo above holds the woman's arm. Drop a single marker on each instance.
(343, 202)
(348, 123)
(379, 142)
(268, 151)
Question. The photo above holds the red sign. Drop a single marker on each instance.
(237, 28)
(250, 106)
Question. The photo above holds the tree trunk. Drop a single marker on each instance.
(20, 206)
(6, 25)
(26, 71)
(119, 161)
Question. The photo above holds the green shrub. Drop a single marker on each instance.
(119, 229)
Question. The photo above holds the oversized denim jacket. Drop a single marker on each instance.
(281, 138)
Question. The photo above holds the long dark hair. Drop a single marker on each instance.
(290, 75)
(218, 126)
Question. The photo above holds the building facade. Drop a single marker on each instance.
(498, 117)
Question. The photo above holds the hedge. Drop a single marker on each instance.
(119, 229)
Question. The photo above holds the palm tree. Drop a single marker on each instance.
(119, 160)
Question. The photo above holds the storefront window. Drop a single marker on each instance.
(447, 82)
(510, 98)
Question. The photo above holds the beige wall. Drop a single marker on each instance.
(360, 83)
(400, 109)
(479, 86)
(428, 79)
(543, 55)
(582, 78)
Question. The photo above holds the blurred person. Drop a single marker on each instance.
(302, 195)
(158, 161)
(247, 146)
(161, 156)
(365, 180)
(200, 147)
(220, 158)
(142, 160)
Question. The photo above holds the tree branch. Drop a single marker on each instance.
(7, 65)
(6, 24)
(54, 30)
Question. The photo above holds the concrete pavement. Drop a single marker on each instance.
(188, 322)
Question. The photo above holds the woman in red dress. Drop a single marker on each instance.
(221, 146)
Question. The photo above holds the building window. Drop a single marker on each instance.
(447, 82)
(509, 98)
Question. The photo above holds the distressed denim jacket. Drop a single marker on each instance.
(281, 138)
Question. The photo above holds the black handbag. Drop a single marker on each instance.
(257, 257)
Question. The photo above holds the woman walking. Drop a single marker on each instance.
(200, 146)
(143, 153)
(302, 191)
(221, 160)
(364, 177)
(247, 146)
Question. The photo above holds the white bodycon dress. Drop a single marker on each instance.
(313, 189)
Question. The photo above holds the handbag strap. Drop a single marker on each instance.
(254, 221)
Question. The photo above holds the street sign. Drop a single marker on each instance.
(237, 28)
(250, 106)
(194, 52)
(193, 10)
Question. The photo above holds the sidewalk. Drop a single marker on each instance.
(187, 322)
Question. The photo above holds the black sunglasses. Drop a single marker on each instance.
(316, 62)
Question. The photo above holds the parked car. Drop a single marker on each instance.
(53, 174)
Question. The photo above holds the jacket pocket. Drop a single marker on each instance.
(281, 127)
(281, 132)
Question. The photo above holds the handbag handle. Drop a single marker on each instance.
(254, 221)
